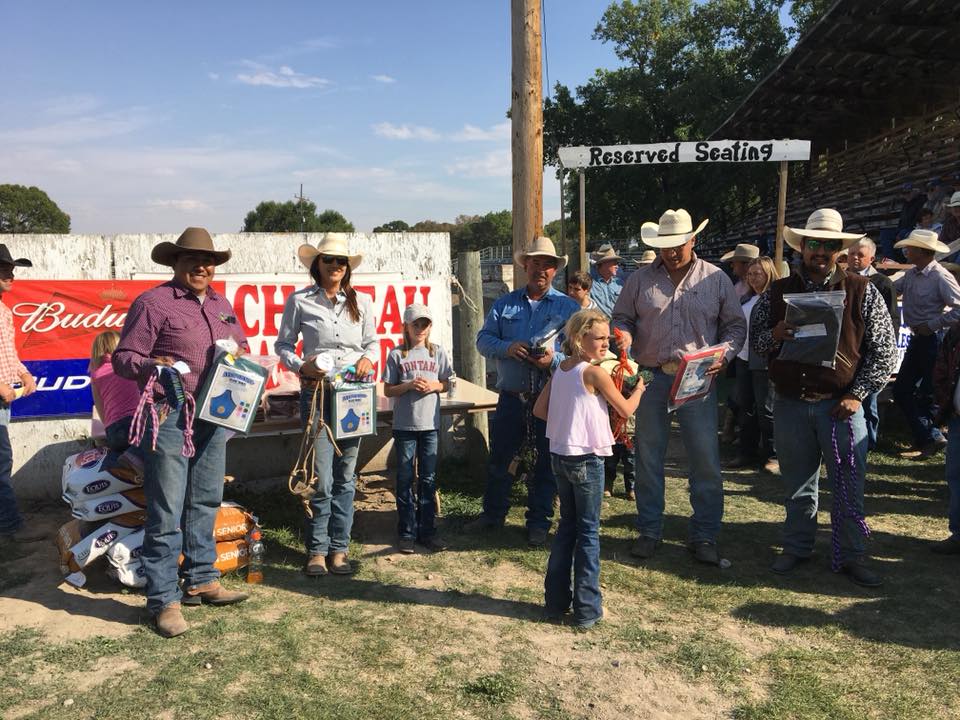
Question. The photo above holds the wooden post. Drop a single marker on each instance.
(563, 238)
(582, 255)
(473, 366)
(781, 213)
(527, 127)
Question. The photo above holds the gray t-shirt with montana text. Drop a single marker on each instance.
(414, 410)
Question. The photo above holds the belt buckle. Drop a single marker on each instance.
(670, 367)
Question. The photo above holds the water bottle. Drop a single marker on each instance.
(254, 556)
(452, 386)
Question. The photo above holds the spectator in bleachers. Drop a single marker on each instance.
(926, 221)
(950, 232)
(931, 304)
(607, 283)
(860, 257)
(937, 195)
(913, 202)
(739, 259)
(578, 288)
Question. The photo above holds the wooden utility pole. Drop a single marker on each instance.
(473, 366)
(582, 254)
(781, 213)
(526, 112)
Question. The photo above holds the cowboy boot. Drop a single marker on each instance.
(169, 621)
(212, 593)
(338, 564)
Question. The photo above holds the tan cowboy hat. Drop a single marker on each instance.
(924, 239)
(193, 239)
(648, 257)
(783, 268)
(605, 253)
(743, 251)
(824, 224)
(674, 229)
(954, 200)
(540, 246)
(334, 244)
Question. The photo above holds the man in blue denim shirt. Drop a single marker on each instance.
(513, 333)
(607, 282)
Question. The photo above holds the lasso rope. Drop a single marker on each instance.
(302, 481)
(618, 424)
(146, 404)
(843, 507)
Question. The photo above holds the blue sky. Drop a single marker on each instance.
(140, 117)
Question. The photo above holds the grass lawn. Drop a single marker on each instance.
(459, 634)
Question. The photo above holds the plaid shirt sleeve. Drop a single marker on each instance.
(131, 359)
(11, 369)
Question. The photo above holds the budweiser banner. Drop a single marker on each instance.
(56, 321)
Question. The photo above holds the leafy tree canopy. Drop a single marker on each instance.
(291, 216)
(392, 226)
(30, 210)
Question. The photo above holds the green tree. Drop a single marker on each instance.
(392, 226)
(30, 210)
(291, 216)
(687, 65)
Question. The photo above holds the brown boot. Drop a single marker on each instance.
(212, 593)
(339, 564)
(169, 621)
(316, 566)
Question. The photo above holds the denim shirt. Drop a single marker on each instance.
(510, 319)
(605, 292)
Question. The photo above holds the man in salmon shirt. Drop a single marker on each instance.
(180, 321)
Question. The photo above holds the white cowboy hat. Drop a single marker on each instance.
(743, 251)
(605, 253)
(333, 245)
(954, 200)
(925, 239)
(542, 246)
(824, 224)
(648, 257)
(674, 229)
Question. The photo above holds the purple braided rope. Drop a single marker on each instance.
(843, 507)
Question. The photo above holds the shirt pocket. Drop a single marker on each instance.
(181, 329)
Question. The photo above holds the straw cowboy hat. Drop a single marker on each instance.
(334, 244)
(542, 246)
(954, 200)
(823, 224)
(7, 259)
(924, 239)
(605, 253)
(743, 251)
(193, 239)
(674, 229)
(648, 257)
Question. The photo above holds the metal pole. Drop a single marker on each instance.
(781, 213)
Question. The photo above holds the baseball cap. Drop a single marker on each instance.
(415, 312)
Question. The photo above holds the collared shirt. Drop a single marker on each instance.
(170, 320)
(668, 320)
(605, 292)
(879, 346)
(511, 319)
(326, 327)
(927, 294)
(11, 369)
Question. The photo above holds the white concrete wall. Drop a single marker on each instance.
(40, 446)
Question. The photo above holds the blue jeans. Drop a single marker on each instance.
(610, 464)
(117, 434)
(329, 528)
(953, 473)
(913, 389)
(576, 545)
(416, 512)
(10, 520)
(509, 432)
(871, 416)
(183, 496)
(698, 430)
(804, 439)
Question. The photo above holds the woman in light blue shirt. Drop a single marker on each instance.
(337, 327)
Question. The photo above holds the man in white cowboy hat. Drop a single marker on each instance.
(817, 412)
(15, 382)
(607, 283)
(522, 332)
(931, 304)
(740, 258)
(678, 304)
(180, 321)
(646, 258)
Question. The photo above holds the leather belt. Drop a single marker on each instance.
(812, 397)
(668, 368)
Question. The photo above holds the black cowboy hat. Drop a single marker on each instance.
(7, 259)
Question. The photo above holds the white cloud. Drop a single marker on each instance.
(472, 133)
(405, 132)
(83, 128)
(496, 163)
(213, 75)
(386, 79)
(284, 77)
(70, 105)
(185, 204)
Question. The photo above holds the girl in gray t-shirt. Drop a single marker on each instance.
(416, 373)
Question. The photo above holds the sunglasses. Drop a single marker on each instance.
(828, 245)
(328, 260)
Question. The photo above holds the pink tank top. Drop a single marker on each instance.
(578, 422)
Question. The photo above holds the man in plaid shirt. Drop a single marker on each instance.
(15, 381)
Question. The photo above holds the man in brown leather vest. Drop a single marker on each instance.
(817, 415)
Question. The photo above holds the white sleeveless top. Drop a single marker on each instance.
(578, 422)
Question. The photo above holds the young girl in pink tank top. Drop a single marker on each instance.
(574, 405)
